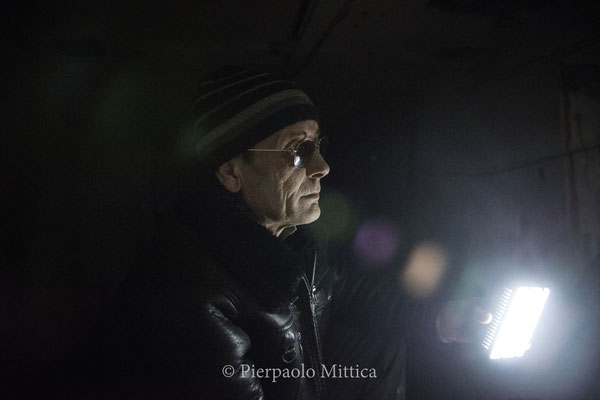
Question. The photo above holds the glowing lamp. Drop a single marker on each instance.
(518, 312)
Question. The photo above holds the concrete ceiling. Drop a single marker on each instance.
(372, 45)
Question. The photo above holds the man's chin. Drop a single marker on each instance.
(310, 215)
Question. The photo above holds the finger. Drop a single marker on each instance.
(482, 315)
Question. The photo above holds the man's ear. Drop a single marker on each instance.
(229, 176)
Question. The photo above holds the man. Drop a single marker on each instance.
(233, 304)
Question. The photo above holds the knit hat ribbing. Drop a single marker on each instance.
(235, 112)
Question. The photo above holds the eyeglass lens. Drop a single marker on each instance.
(306, 151)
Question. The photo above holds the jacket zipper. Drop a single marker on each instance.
(313, 288)
(317, 358)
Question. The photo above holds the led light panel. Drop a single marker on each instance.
(509, 334)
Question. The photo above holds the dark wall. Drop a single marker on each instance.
(85, 137)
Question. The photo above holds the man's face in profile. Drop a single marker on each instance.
(279, 193)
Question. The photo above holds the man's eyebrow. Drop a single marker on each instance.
(296, 136)
(304, 134)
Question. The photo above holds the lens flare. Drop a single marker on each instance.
(338, 218)
(424, 270)
(376, 242)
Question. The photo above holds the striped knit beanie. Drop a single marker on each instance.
(236, 111)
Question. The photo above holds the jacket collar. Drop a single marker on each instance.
(270, 267)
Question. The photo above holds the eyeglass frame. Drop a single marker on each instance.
(294, 149)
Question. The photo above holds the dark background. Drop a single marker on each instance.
(447, 123)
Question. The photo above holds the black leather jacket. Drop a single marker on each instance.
(220, 309)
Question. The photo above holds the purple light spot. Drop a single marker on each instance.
(376, 242)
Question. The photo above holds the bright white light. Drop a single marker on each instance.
(517, 322)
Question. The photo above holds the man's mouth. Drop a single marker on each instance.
(314, 195)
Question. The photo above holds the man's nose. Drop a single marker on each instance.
(317, 167)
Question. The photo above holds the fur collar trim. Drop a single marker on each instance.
(271, 268)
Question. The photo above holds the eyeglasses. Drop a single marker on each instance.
(303, 151)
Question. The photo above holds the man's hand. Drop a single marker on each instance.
(457, 320)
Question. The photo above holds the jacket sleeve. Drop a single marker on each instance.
(220, 353)
(172, 333)
(182, 343)
(366, 330)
